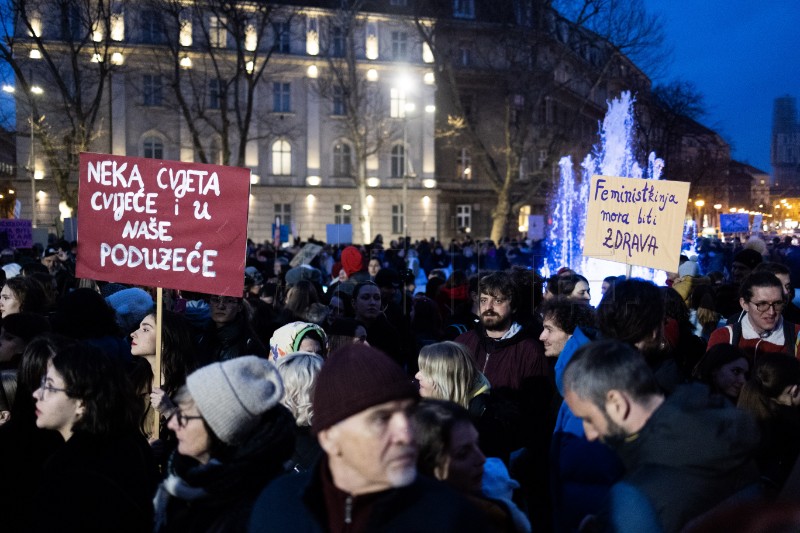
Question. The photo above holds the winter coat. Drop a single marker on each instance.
(582, 471)
(694, 451)
(96, 484)
(218, 496)
(296, 502)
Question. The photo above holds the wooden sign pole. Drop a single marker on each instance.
(157, 369)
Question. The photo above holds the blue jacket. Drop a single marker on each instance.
(582, 471)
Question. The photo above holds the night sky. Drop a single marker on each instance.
(741, 54)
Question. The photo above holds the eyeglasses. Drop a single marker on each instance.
(49, 388)
(182, 418)
(762, 307)
(218, 300)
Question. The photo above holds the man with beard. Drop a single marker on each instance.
(512, 358)
(506, 354)
(631, 311)
(367, 478)
(683, 454)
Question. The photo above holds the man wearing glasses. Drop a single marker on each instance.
(762, 329)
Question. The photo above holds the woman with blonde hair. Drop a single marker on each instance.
(299, 372)
(448, 372)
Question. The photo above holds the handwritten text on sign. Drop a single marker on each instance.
(163, 223)
(636, 221)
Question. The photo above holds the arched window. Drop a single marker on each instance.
(398, 161)
(153, 147)
(281, 158)
(342, 159)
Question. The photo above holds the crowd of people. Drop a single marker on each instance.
(408, 387)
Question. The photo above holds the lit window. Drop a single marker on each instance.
(283, 212)
(281, 158)
(397, 103)
(341, 213)
(463, 216)
(217, 34)
(250, 38)
(398, 220)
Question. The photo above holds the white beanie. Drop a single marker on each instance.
(232, 395)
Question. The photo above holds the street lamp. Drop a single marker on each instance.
(35, 90)
(699, 205)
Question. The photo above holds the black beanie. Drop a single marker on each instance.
(354, 378)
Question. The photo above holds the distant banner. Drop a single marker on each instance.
(636, 221)
(18, 232)
(734, 222)
(163, 223)
(339, 233)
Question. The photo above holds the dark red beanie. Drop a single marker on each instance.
(352, 260)
(354, 378)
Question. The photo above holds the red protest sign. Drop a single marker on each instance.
(163, 223)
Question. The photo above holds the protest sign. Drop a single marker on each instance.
(339, 233)
(734, 222)
(636, 221)
(19, 232)
(306, 254)
(163, 223)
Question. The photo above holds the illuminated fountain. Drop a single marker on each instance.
(612, 157)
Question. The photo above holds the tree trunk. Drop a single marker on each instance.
(500, 214)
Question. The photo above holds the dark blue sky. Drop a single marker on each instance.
(741, 54)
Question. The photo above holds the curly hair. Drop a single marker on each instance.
(299, 372)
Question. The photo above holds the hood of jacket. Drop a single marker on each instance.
(693, 429)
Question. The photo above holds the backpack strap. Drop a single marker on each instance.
(736, 333)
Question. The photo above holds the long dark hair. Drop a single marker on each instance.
(99, 381)
(178, 351)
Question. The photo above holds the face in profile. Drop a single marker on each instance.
(143, 340)
(373, 450)
(463, 465)
(9, 302)
(193, 438)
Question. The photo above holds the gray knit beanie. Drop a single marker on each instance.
(232, 395)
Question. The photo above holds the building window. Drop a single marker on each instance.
(284, 213)
(153, 148)
(337, 42)
(153, 90)
(464, 56)
(281, 158)
(398, 3)
(341, 214)
(215, 152)
(281, 97)
(397, 102)
(217, 34)
(283, 37)
(463, 165)
(338, 107)
(342, 160)
(542, 158)
(398, 161)
(464, 9)
(399, 45)
(151, 26)
(215, 94)
(398, 220)
(463, 216)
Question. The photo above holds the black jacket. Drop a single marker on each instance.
(695, 451)
(295, 502)
(96, 484)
